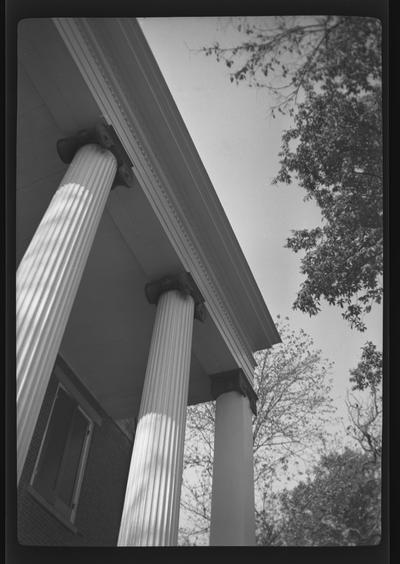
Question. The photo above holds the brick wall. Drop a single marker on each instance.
(102, 493)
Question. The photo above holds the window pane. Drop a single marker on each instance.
(54, 445)
(72, 456)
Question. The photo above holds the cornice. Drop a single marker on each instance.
(233, 380)
(85, 40)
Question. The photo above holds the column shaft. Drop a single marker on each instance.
(151, 509)
(232, 506)
(48, 278)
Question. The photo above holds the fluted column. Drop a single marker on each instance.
(232, 504)
(48, 278)
(151, 509)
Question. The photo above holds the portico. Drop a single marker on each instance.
(128, 268)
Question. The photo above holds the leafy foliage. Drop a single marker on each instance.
(334, 149)
(296, 53)
(339, 505)
(338, 162)
(340, 501)
(294, 405)
(365, 411)
(368, 373)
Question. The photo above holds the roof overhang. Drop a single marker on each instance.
(122, 74)
(113, 68)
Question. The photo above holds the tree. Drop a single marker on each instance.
(286, 55)
(338, 504)
(365, 409)
(340, 501)
(326, 71)
(293, 406)
(338, 162)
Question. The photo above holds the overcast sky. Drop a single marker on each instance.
(239, 143)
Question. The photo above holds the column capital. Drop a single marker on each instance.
(104, 135)
(184, 283)
(233, 381)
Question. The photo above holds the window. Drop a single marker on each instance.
(59, 469)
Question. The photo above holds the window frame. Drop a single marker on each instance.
(58, 507)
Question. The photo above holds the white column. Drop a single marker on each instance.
(232, 506)
(48, 278)
(151, 509)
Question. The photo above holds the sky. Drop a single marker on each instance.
(238, 142)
